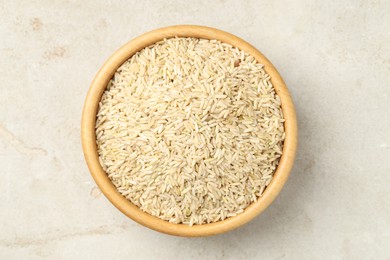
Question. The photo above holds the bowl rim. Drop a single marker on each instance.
(129, 209)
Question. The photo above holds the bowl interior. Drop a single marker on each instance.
(109, 190)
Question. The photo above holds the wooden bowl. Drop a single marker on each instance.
(89, 139)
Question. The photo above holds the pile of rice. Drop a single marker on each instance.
(190, 130)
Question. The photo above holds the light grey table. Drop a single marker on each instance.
(335, 59)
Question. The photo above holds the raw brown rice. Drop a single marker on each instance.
(190, 130)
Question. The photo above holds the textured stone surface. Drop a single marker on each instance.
(334, 57)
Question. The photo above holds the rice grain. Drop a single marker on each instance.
(190, 130)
